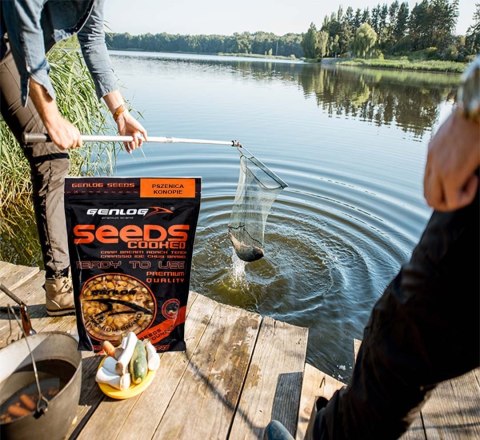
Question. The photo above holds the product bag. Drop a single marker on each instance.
(131, 244)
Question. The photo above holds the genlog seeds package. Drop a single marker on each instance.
(131, 243)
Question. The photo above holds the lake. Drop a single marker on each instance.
(351, 145)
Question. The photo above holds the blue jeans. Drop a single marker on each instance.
(423, 330)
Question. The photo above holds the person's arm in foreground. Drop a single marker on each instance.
(62, 132)
(127, 125)
(94, 50)
(450, 181)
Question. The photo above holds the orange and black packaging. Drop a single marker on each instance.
(131, 245)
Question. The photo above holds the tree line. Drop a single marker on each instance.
(261, 43)
(392, 29)
(387, 29)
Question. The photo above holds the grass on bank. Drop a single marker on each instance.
(78, 103)
(405, 63)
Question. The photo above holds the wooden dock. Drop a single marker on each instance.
(240, 370)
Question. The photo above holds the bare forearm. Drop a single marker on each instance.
(126, 123)
(62, 132)
(114, 100)
(45, 105)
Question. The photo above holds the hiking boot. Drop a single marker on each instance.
(59, 296)
(276, 431)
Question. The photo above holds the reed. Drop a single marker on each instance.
(78, 103)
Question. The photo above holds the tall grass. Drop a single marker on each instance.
(78, 103)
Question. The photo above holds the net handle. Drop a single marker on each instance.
(32, 138)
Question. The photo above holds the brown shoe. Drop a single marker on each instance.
(59, 296)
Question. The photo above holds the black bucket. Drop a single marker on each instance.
(59, 365)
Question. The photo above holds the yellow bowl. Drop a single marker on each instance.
(133, 390)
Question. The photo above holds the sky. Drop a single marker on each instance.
(225, 17)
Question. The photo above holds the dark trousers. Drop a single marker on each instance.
(423, 330)
(49, 166)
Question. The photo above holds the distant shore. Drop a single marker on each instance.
(402, 63)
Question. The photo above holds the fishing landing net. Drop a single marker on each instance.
(257, 189)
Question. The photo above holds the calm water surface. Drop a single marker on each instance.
(350, 144)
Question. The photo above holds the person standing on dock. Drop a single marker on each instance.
(425, 327)
(28, 29)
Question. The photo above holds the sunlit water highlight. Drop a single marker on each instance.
(238, 270)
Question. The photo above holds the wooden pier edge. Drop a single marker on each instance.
(240, 371)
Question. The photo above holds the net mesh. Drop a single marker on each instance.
(257, 189)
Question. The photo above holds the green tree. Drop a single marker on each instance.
(376, 18)
(334, 28)
(334, 45)
(392, 23)
(348, 17)
(444, 18)
(432, 23)
(401, 25)
(347, 31)
(322, 41)
(244, 43)
(309, 42)
(366, 16)
(383, 15)
(364, 41)
(472, 37)
(357, 20)
(392, 13)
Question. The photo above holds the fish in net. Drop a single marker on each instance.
(257, 189)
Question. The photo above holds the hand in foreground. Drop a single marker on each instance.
(129, 126)
(63, 133)
(450, 181)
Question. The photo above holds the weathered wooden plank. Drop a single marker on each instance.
(90, 396)
(273, 385)
(356, 347)
(12, 275)
(453, 409)
(315, 384)
(416, 431)
(204, 403)
(32, 293)
(4, 266)
(476, 375)
(136, 414)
